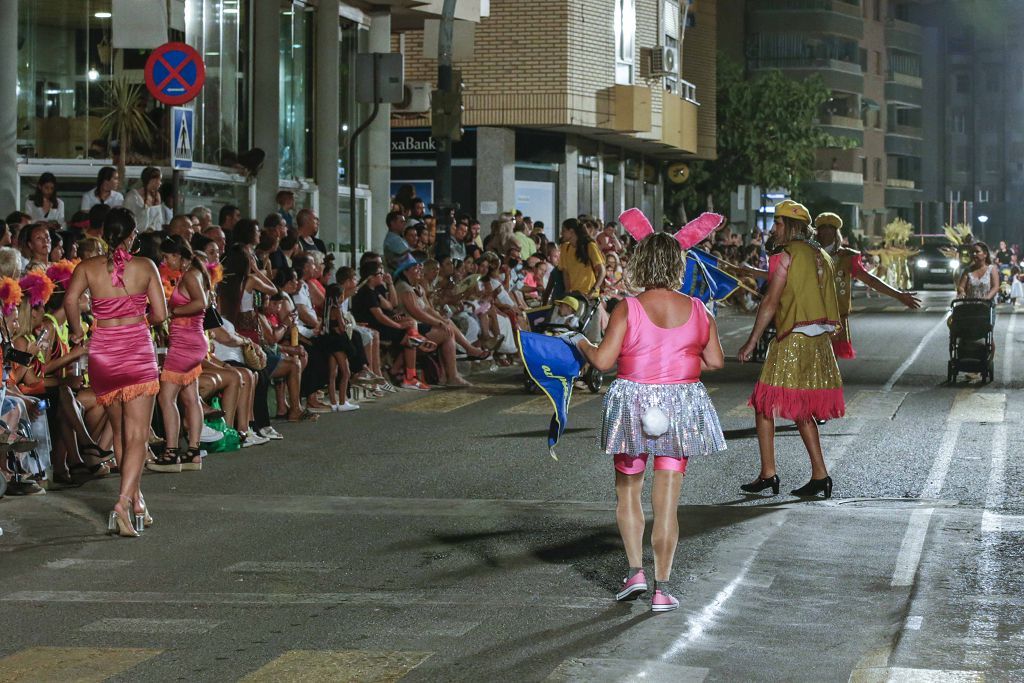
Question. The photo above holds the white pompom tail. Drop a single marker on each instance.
(655, 421)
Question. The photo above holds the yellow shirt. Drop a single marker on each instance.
(580, 277)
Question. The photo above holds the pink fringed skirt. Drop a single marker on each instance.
(800, 380)
(842, 341)
(122, 363)
(186, 351)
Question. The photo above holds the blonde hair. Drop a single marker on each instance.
(10, 263)
(657, 263)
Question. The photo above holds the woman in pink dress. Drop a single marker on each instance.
(122, 360)
(186, 351)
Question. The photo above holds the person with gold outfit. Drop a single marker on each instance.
(848, 265)
(800, 379)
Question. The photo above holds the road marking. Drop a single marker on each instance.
(914, 354)
(281, 567)
(892, 674)
(1008, 350)
(311, 666)
(741, 410)
(875, 405)
(78, 664)
(541, 405)
(594, 670)
(81, 563)
(969, 406)
(441, 401)
(993, 522)
(119, 625)
(914, 623)
(734, 333)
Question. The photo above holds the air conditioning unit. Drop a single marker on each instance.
(664, 61)
(416, 99)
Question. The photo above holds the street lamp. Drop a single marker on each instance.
(983, 219)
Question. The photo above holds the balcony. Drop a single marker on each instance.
(679, 123)
(901, 193)
(839, 177)
(903, 89)
(836, 74)
(906, 131)
(846, 187)
(901, 145)
(843, 127)
(630, 108)
(808, 16)
(902, 35)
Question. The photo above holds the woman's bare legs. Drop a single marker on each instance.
(629, 513)
(290, 370)
(193, 413)
(766, 444)
(345, 374)
(809, 434)
(332, 378)
(168, 400)
(665, 532)
(130, 421)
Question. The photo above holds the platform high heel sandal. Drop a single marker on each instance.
(147, 519)
(760, 484)
(119, 523)
(192, 461)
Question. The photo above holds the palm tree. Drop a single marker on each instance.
(125, 119)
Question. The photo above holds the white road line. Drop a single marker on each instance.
(913, 356)
(940, 465)
(995, 494)
(1007, 350)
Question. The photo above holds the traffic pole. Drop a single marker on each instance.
(448, 94)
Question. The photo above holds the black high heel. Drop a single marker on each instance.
(814, 487)
(760, 484)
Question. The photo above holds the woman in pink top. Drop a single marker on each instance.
(661, 340)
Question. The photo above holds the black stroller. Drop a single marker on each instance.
(971, 338)
(539, 322)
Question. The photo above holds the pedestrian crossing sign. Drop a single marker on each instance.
(183, 135)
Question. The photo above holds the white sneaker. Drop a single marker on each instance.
(347, 406)
(254, 439)
(210, 435)
(270, 433)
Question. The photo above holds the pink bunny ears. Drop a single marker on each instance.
(691, 234)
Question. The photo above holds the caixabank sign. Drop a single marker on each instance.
(407, 143)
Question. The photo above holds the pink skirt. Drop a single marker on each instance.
(122, 363)
(186, 351)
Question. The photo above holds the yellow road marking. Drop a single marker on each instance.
(741, 410)
(970, 406)
(78, 664)
(875, 405)
(540, 405)
(354, 666)
(441, 401)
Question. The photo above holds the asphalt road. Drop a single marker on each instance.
(429, 537)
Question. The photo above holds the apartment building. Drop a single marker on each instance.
(571, 106)
(869, 56)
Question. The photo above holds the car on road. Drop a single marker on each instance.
(930, 266)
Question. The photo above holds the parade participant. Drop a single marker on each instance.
(660, 340)
(186, 349)
(122, 360)
(848, 265)
(800, 379)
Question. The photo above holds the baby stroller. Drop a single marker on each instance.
(539, 322)
(971, 338)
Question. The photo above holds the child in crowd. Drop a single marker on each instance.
(566, 312)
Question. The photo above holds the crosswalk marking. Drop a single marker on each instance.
(875, 405)
(595, 670)
(973, 406)
(78, 664)
(310, 666)
(441, 401)
(176, 626)
(893, 673)
(540, 405)
(995, 522)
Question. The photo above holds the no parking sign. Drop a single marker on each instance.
(175, 73)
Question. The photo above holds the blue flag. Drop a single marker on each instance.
(704, 280)
(553, 365)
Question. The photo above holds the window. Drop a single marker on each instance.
(983, 196)
(878, 170)
(878, 10)
(670, 28)
(960, 159)
(864, 168)
(957, 123)
(295, 128)
(625, 41)
(963, 83)
(878, 62)
(954, 196)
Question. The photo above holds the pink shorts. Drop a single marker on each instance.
(635, 464)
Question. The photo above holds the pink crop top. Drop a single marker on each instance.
(656, 355)
(130, 306)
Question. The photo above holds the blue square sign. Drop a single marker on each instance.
(183, 136)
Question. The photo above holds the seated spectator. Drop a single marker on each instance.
(35, 246)
(146, 203)
(105, 192)
(44, 206)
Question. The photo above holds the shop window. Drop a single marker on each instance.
(295, 86)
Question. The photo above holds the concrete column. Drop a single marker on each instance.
(327, 121)
(266, 77)
(620, 187)
(378, 147)
(568, 186)
(9, 191)
(495, 173)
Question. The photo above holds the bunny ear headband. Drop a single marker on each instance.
(691, 234)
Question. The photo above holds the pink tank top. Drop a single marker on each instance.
(129, 306)
(656, 355)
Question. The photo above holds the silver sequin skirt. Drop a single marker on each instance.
(694, 428)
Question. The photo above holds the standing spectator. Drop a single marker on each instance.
(521, 235)
(1003, 254)
(44, 205)
(215, 233)
(417, 212)
(608, 241)
(395, 246)
(474, 234)
(227, 218)
(205, 217)
(286, 207)
(582, 263)
(146, 203)
(308, 225)
(456, 241)
(105, 192)
(180, 226)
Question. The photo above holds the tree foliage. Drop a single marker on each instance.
(767, 136)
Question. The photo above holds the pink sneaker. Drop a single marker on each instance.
(632, 587)
(663, 602)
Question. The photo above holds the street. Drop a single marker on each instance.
(429, 537)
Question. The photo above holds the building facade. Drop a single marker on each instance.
(280, 78)
(869, 56)
(567, 109)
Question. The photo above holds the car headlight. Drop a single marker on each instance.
(922, 263)
(953, 264)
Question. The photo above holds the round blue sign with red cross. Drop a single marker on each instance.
(175, 73)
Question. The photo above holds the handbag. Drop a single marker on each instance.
(212, 319)
(254, 357)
